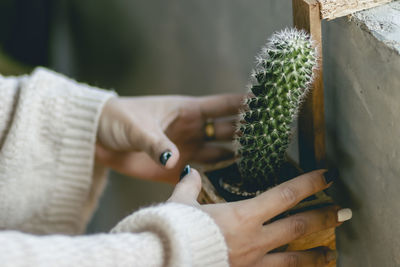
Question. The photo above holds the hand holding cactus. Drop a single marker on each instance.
(137, 136)
(250, 236)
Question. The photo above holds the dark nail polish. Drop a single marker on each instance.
(165, 157)
(331, 175)
(185, 171)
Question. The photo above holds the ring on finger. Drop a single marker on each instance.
(209, 130)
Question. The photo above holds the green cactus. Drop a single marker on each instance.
(282, 78)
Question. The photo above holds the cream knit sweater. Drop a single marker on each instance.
(49, 187)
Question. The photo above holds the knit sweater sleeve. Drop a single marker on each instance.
(48, 125)
(165, 235)
(48, 183)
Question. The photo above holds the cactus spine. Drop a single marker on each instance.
(280, 81)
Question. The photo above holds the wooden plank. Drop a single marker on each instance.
(331, 9)
(312, 119)
(208, 194)
(324, 238)
(312, 153)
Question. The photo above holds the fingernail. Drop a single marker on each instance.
(344, 215)
(185, 171)
(331, 255)
(330, 175)
(165, 157)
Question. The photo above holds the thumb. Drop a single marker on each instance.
(188, 189)
(162, 150)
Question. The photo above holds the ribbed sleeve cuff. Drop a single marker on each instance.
(71, 120)
(190, 236)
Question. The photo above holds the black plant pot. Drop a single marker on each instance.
(225, 176)
(232, 187)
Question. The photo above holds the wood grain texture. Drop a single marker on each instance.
(331, 9)
(324, 238)
(312, 119)
(208, 194)
(312, 151)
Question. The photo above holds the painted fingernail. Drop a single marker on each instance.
(165, 157)
(185, 171)
(330, 175)
(331, 255)
(344, 215)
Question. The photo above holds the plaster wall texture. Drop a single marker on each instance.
(362, 96)
(383, 22)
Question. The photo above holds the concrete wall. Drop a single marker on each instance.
(202, 47)
(362, 84)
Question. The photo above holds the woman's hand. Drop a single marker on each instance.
(249, 238)
(135, 133)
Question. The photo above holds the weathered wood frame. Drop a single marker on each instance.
(331, 9)
(306, 16)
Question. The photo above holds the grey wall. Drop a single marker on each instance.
(362, 84)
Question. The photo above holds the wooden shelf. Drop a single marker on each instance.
(331, 9)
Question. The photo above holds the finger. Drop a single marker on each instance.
(158, 146)
(225, 130)
(221, 105)
(287, 195)
(212, 153)
(284, 231)
(188, 189)
(137, 164)
(311, 258)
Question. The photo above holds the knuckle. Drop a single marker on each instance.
(291, 260)
(147, 142)
(232, 101)
(313, 185)
(298, 227)
(182, 112)
(318, 181)
(289, 195)
(320, 261)
(180, 187)
(327, 219)
(159, 143)
(197, 185)
(240, 214)
(244, 216)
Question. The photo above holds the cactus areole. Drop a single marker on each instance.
(281, 80)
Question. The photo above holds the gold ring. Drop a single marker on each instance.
(209, 130)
